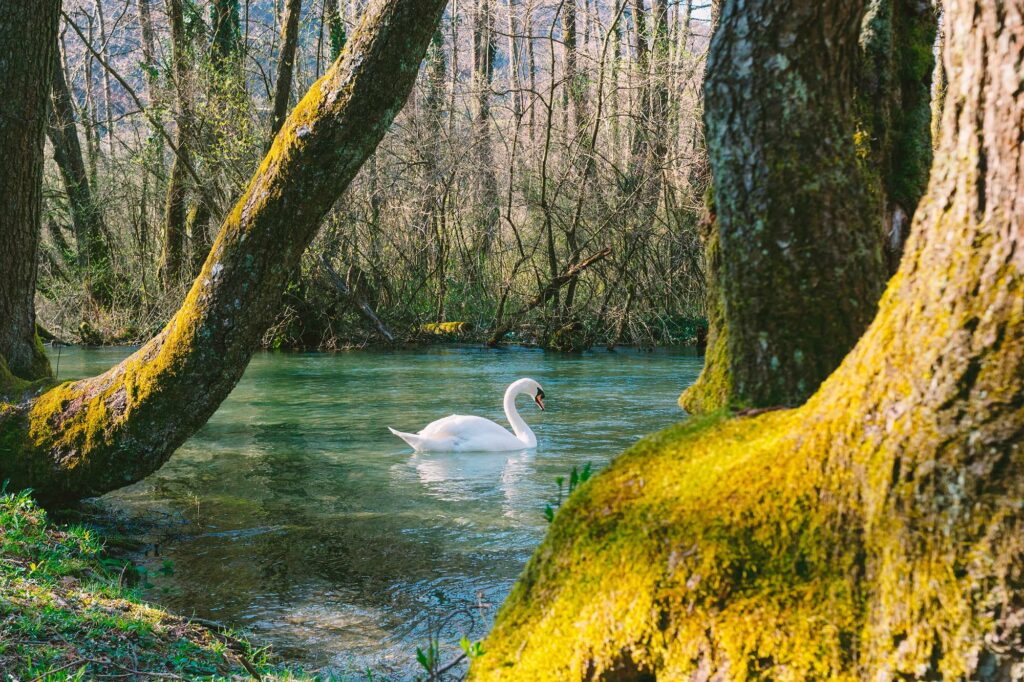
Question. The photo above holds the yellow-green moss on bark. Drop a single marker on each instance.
(713, 389)
(702, 547)
(876, 532)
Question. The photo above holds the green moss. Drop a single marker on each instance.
(713, 389)
(703, 546)
(67, 610)
(894, 103)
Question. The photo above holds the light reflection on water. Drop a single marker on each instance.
(305, 522)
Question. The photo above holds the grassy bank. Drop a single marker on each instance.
(68, 612)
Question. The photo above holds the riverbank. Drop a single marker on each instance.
(69, 611)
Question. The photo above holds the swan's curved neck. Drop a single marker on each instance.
(519, 427)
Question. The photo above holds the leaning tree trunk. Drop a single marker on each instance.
(874, 533)
(799, 238)
(28, 50)
(93, 256)
(90, 436)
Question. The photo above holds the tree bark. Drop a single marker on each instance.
(93, 256)
(28, 52)
(108, 104)
(484, 50)
(799, 234)
(175, 209)
(894, 106)
(335, 27)
(875, 532)
(90, 436)
(285, 64)
(226, 46)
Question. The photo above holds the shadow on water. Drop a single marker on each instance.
(309, 524)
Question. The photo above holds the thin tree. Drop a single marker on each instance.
(175, 204)
(90, 242)
(285, 64)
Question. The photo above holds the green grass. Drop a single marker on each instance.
(68, 613)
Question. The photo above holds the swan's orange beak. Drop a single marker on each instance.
(539, 399)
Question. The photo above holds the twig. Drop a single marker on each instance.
(72, 664)
(441, 671)
(167, 676)
(200, 186)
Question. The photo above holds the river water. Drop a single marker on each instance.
(296, 516)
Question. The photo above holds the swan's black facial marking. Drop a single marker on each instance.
(539, 399)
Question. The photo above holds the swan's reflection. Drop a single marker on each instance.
(458, 476)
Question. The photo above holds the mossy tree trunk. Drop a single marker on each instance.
(798, 235)
(28, 51)
(335, 27)
(90, 436)
(93, 255)
(876, 532)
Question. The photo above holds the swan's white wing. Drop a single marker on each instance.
(467, 432)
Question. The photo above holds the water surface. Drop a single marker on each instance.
(295, 515)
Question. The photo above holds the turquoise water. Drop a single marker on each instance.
(295, 515)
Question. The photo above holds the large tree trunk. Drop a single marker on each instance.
(87, 437)
(799, 234)
(285, 63)
(28, 51)
(93, 256)
(874, 533)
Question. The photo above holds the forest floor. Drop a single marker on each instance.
(68, 611)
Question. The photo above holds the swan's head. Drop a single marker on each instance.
(532, 389)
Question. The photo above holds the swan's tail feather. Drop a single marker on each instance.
(412, 439)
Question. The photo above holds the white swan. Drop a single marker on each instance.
(462, 433)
